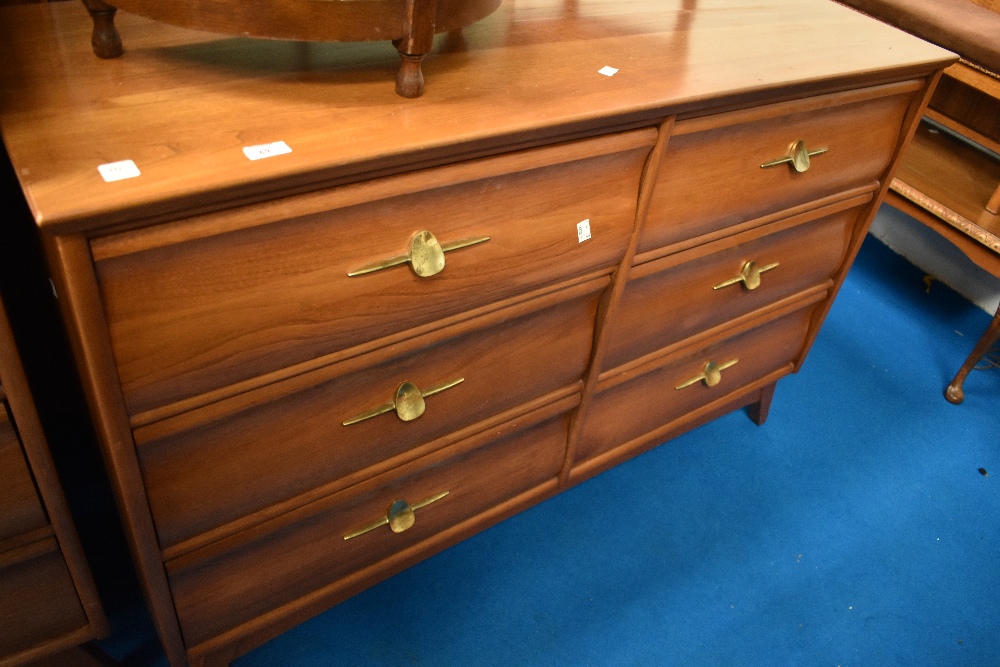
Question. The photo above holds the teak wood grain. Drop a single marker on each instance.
(221, 471)
(680, 291)
(685, 206)
(279, 385)
(213, 596)
(625, 411)
(183, 104)
(48, 600)
(222, 344)
(288, 295)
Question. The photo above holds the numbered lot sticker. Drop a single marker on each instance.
(266, 150)
(118, 171)
(583, 230)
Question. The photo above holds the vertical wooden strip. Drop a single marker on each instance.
(420, 16)
(43, 469)
(758, 411)
(909, 128)
(80, 300)
(610, 303)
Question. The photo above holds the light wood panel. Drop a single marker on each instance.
(674, 298)
(162, 304)
(955, 182)
(685, 205)
(183, 104)
(220, 339)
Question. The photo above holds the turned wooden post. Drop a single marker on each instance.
(420, 15)
(105, 39)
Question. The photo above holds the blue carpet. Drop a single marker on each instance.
(853, 528)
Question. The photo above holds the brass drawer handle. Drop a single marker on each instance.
(798, 156)
(749, 276)
(408, 402)
(425, 255)
(399, 517)
(712, 375)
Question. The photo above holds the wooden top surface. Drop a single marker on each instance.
(182, 104)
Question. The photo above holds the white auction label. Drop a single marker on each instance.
(583, 230)
(266, 150)
(607, 71)
(118, 171)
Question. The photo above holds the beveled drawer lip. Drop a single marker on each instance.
(658, 259)
(113, 218)
(677, 387)
(213, 405)
(655, 360)
(374, 188)
(342, 588)
(585, 468)
(700, 121)
(318, 549)
(220, 473)
(700, 288)
(24, 547)
(748, 147)
(194, 550)
(287, 288)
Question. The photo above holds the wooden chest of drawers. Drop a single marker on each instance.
(310, 371)
(47, 597)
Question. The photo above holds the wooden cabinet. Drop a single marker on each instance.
(47, 597)
(312, 370)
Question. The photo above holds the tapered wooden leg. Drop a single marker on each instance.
(758, 411)
(410, 78)
(420, 16)
(954, 392)
(105, 39)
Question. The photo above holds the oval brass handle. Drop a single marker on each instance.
(711, 375)
(425, 255)
(399, 517)
(408, 402)
(798, 156)
(749, 276)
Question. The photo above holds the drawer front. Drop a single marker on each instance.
(188, 318)
(210, 475)
(712, 179)
(632, 409)
(224, 591)
(20, 508)
(38, 602)
(663, 307)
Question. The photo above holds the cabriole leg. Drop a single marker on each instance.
(954, 392)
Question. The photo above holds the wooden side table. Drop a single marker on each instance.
(949, 177)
